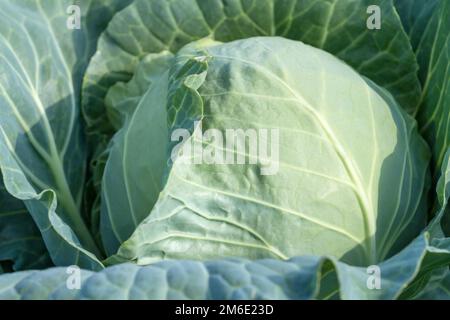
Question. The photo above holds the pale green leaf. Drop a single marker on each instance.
(298, 278)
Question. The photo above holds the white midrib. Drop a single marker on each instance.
(325, 32)
(69, 80)
(63, 190)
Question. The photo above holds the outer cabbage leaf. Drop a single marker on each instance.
(431, 276)
(20, 239)
(42, 149)
(298, 278)
(438, 288)
(38, 285)
(332, 195)
(434, 60)
(430, 34)
(415, 16)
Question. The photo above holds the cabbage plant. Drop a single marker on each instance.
(225, 149)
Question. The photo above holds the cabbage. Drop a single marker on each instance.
(224, 149)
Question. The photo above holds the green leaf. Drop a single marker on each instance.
(397, 274)
(415, 16)
(121, 101)
(438, 288)
(440, 244)
(433, 54)
(20, 239)
(7, 283)
(132, 184)
(443, 186)
(339, 27)
(123, 98)
(91, 202)
(37, 285)
(444, 195)
(359, 204)
(226, 279)
(43, 152)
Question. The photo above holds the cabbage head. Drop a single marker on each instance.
(225, 149)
